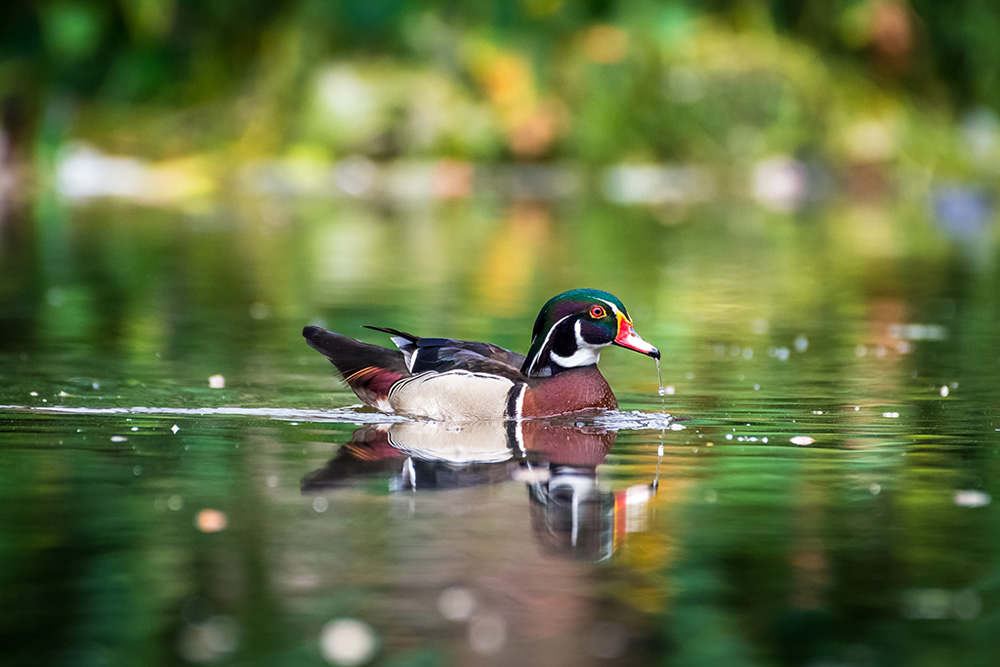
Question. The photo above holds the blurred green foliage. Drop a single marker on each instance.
(596, 81)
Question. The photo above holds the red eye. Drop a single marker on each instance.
(597, 312)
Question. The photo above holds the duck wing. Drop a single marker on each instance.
(445, 354)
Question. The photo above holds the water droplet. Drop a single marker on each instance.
(663, 391)
(944, 390)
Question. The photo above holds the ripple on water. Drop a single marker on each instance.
(613, 419)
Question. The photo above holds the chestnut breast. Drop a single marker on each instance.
(569, 391)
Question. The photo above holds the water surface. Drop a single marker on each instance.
(822, 493)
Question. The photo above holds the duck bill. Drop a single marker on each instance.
(627, 337)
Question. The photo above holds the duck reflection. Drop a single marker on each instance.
(571, 514)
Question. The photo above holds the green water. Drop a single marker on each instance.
(824, 495)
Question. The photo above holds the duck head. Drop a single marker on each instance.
(573, 328)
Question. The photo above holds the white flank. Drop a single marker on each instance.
(451, 396)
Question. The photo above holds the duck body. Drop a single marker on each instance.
(453, 380)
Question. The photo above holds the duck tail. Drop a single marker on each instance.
(369, 370)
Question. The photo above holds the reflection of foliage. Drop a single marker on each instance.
(758, 552)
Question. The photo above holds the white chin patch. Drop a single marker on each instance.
(585, 355)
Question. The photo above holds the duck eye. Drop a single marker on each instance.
(597, 312)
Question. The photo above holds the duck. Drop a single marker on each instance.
(443, 379)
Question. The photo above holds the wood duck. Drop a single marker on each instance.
(454, 380)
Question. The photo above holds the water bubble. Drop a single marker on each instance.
(607, 640)
(175, 428)
(259, 310)
(779, 353)
(209, 640)
(456, 603)
(348, 641)
(210, 521)
(971, 498)
(926, 603)
(801, 343)
(944, 391)
(966, 604)
(487, 633)
(320, 504)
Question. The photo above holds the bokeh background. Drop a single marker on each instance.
(795, 200)
(783, 101)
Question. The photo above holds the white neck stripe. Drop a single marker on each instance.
(585, 355)
(531, 367)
